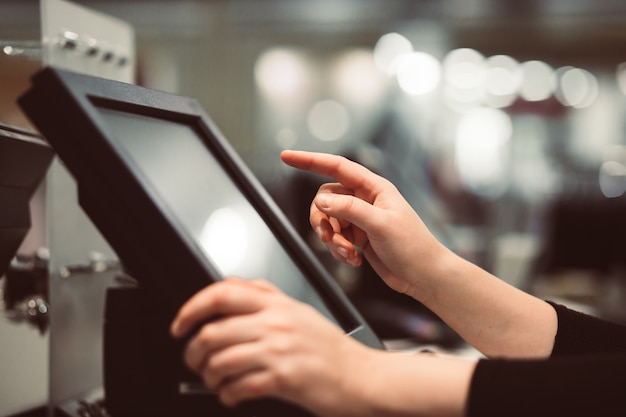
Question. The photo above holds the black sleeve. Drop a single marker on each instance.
(585, 376)
(566, 386)
(580, 333)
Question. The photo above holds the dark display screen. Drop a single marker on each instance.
(194, 188)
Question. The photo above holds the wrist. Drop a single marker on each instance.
(429, 385)
(431, 272)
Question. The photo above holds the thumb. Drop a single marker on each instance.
(349, 208)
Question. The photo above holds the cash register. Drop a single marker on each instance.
(182, 211)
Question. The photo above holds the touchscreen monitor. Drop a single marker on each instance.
(172, 197)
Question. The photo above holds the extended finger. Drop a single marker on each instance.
(348, 173)
(264, 285)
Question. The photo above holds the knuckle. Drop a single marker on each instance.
(223, 295)
(213, 367)
(281, 318)
(283, 376)
(210, 379)
(255, 387)
(346, 204)
(206, 336)
(281, 346)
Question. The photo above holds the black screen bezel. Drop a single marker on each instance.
(65, 107)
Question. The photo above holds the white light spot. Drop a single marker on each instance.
(225, 239)
(328, 120)
(357, 79)
(286, 138)
(388, 48)
(464, 68)
(538, 82)
(481, 151)
(577, 87)
(282, 74)
(612, 179)
(418, 73)
(504, 76)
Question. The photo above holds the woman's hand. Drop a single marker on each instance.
(262, 343)
(364, 213)
(258, 342)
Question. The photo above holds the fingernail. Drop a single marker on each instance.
(353, 261)
(342, 252)
(324, 200)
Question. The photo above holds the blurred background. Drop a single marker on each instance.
(501, 121)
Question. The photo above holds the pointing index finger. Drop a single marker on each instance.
(348, 173)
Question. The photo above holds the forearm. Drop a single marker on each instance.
(427, 385)
(493, 316)
(402, 385)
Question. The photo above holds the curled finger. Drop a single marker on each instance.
(230, 363)
(248, 386)
(218, 335)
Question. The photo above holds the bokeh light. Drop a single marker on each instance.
(576, 87)
(481, 150)
(418, 73)
(328, 120)
(357, 79)
(612, 172)
(503, 79)
(388, 48)
(463, 74)
(283, 74)
(464, 68)
(538, 83)
(612, 179)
